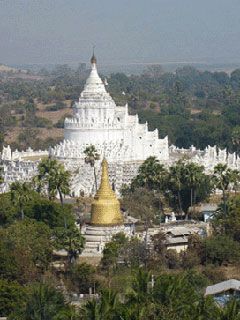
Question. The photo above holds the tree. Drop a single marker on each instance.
(43, 302)
(235, 179)
(144, 205)
(91, 156)
(187, 184)
(53, 176)
(138, 297)
(194, 174)
(228, 222)
(12, 295)
(221, 249)
(70, 239)
(151, 175)
(8, 212)
(107, 308)
(20, 195)
(25, 250)
(176, 183)
(198, 183)
(223, 176)
(82, 277)
(1, 170)
(177, 293)
(51, 213)
(236, 138)
(159, 241)
(112, 249)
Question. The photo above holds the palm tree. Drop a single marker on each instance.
(91, 310)
(91, 156)
(1, 176)
(176, 175)
(223, 177)
(53, 176)
(43, 302)
(138, 297)
(194, 177)
(106, 308)
(20, 195)
(151, 175)
(235, 179)
(70, 239)
(236, 138)
(62, 182)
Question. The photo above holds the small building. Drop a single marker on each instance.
(205, 210)
(177, 238)
(224, 291)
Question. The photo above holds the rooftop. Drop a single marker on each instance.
(220, 287)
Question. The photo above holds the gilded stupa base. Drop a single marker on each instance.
(97, 236)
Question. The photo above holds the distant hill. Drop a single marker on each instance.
(7, 69)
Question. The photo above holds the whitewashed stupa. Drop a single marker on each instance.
(114, 133)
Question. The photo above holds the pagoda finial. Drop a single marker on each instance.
(93, 59)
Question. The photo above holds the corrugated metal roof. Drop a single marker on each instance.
(177, 240)
(223, 286)
(180, 231)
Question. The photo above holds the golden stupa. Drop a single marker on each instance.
(106, 207)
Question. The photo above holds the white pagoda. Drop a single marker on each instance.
(115, 134)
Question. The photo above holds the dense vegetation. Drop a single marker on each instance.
(133, 280)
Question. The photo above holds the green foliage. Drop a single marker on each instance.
(183, 99)
(49, 212)
(70, 239)
(91, 156)
(229, 222)
(43, 302)
(188, 184)
(112, 249)
(56, 107)
(25, 250)
(151, 175)
(11, 297)
(142, 204)
(41, 122)
(221, 249)
(36, 207)
(182, 186)
(82, 277)
(53, 176)
(223, 177)
(20, 195)
(7, 211)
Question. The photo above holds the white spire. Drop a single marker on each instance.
(94, 86)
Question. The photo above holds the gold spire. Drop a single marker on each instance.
(106, 207)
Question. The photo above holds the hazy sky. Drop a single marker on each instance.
(124, 31)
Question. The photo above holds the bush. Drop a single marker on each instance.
(55, 107)
(214, 274)
(221, 249)
(43, 122)
(82, 277)
(11, 296)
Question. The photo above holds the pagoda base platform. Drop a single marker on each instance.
(97, 236)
